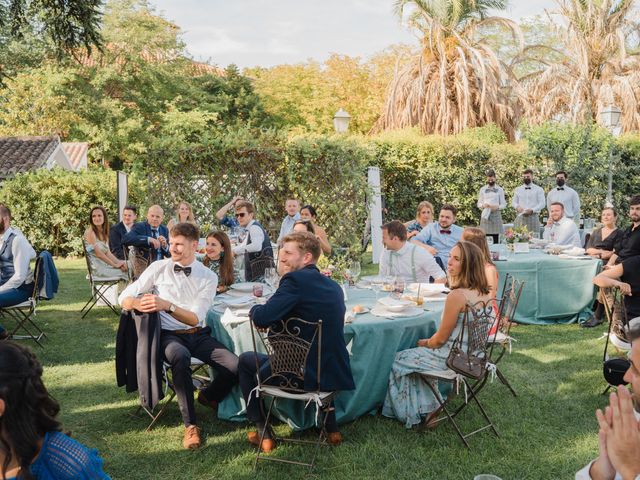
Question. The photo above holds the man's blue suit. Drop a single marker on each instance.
(309, 295)
(116, 235)
(139, 237)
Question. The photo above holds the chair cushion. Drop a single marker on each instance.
(278, 392)
(106, 279)
(25, 304)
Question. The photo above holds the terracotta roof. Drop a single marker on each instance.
(23, 154)
(76, 151)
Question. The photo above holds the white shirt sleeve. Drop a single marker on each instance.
(383, 269)
(540, 200)
(502, 202)
(22, 254)
(204, 299)
(576, 204)
(429, 265)
(257, 238)
(515, 202)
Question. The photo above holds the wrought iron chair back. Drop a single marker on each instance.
(258, 265)
(288, 345)
(137, 259)
(509, 302)
(616, 313)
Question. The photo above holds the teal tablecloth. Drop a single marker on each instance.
(556, 290)
(372, 342)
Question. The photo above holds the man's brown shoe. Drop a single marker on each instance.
(191, 439)
(268, 444)
(202, 400)
(334, 438)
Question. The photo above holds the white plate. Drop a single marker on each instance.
(266, 291)
(237, 302)
(428, 289)
(394, 304)
(244, 286)
(380, 311)
(371, 278)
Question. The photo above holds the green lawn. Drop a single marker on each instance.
(548, 432)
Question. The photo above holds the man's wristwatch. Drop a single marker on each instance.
(172, 308)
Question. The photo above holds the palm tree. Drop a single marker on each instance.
(456, 80)
(598, 69)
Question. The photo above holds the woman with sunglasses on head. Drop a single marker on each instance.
(309, 213)
(32, 445)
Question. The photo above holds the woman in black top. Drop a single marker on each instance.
(600, 245)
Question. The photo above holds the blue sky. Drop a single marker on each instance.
(272, 32)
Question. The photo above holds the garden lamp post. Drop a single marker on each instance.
(341, 121)
(610, 118)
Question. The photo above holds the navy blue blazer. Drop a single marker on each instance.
(309, 295)
(116, 235)
(139, 235)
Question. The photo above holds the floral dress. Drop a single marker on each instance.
(409, 398)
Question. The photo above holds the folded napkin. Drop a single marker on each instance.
(486, 213)
(229, 317)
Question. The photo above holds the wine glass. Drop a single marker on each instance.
(355, 269)
(376, 286)
(398, 287)
(348, 275)
(388, 283)
(271, 277)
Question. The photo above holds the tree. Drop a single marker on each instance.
(456, 81)
(600, 67)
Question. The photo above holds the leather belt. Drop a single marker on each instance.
(187, 331)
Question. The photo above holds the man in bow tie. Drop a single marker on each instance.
(150, 236)
(560, 229)
(181, 290)
(528, 201)
(439, 238)
(566, 195)
(491, 201)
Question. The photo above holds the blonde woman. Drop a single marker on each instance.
(184, 213)
(424, 216)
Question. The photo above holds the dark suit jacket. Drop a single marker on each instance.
(138, 237)
(116, 235)
(311, 296)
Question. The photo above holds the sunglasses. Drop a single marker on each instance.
(240, 215)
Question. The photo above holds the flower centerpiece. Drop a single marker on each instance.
(517, 235)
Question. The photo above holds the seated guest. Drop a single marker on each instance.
(307, 294)
(629, 244)
(103, 262)
(32, 444)
(309, 213)
(560, 229)
(405, 260)
(219, 259)
(409, 398)
(600, 245)
(424, 216)
(292, 207)
(619, 434)
(16, 277)
(256, 244)
(626, 276)
(479, 239)
(438, 238)
(150, 236)
(183, 291)
(304, 226)
(120, 229)
(184, 213)
(226, 220)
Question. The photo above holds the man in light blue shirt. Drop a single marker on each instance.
(439, 238)
(292, 206)
(560, 229)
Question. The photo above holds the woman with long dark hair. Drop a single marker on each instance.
(309, 213)
(409, 398)
(96, 237)
(32, 445)
(219, 258)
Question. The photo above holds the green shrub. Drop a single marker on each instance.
(52, 207)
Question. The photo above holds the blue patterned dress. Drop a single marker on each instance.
(409, 398)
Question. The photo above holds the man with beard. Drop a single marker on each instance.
(559, 229)
(528, 201)
(565, 195)
(491, 201)
(440, 237)
(629, 244)
(619, 434)
(16, 278)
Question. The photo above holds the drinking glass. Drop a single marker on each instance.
(376, 286)
(271, 277)
(388, 283)
(355, 270)
(398, 287)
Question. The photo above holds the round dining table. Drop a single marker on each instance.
(372, 342)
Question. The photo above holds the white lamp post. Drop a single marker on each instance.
(610, 118)
(341, 121)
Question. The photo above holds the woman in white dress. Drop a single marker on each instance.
(409, 398)
(103, 262)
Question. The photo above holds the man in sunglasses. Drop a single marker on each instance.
(256, 245)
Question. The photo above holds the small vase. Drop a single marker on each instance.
(510, 247)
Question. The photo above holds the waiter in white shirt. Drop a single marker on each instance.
(528, 201)
(560, 229)
(16, 278)
(406, 260)
(491, 201)
(566, 195)
(180, 290)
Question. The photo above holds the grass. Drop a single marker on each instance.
(547, 432)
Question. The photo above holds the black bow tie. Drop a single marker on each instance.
(527, 188)
(448, 232)
(177, 268)
(560, 188)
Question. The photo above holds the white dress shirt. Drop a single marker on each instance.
(409, 260)
(488, 195)
(194, 293)
(563, 232)
(568, 197)
(22, 253)
(257, 238)
(529, 197)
